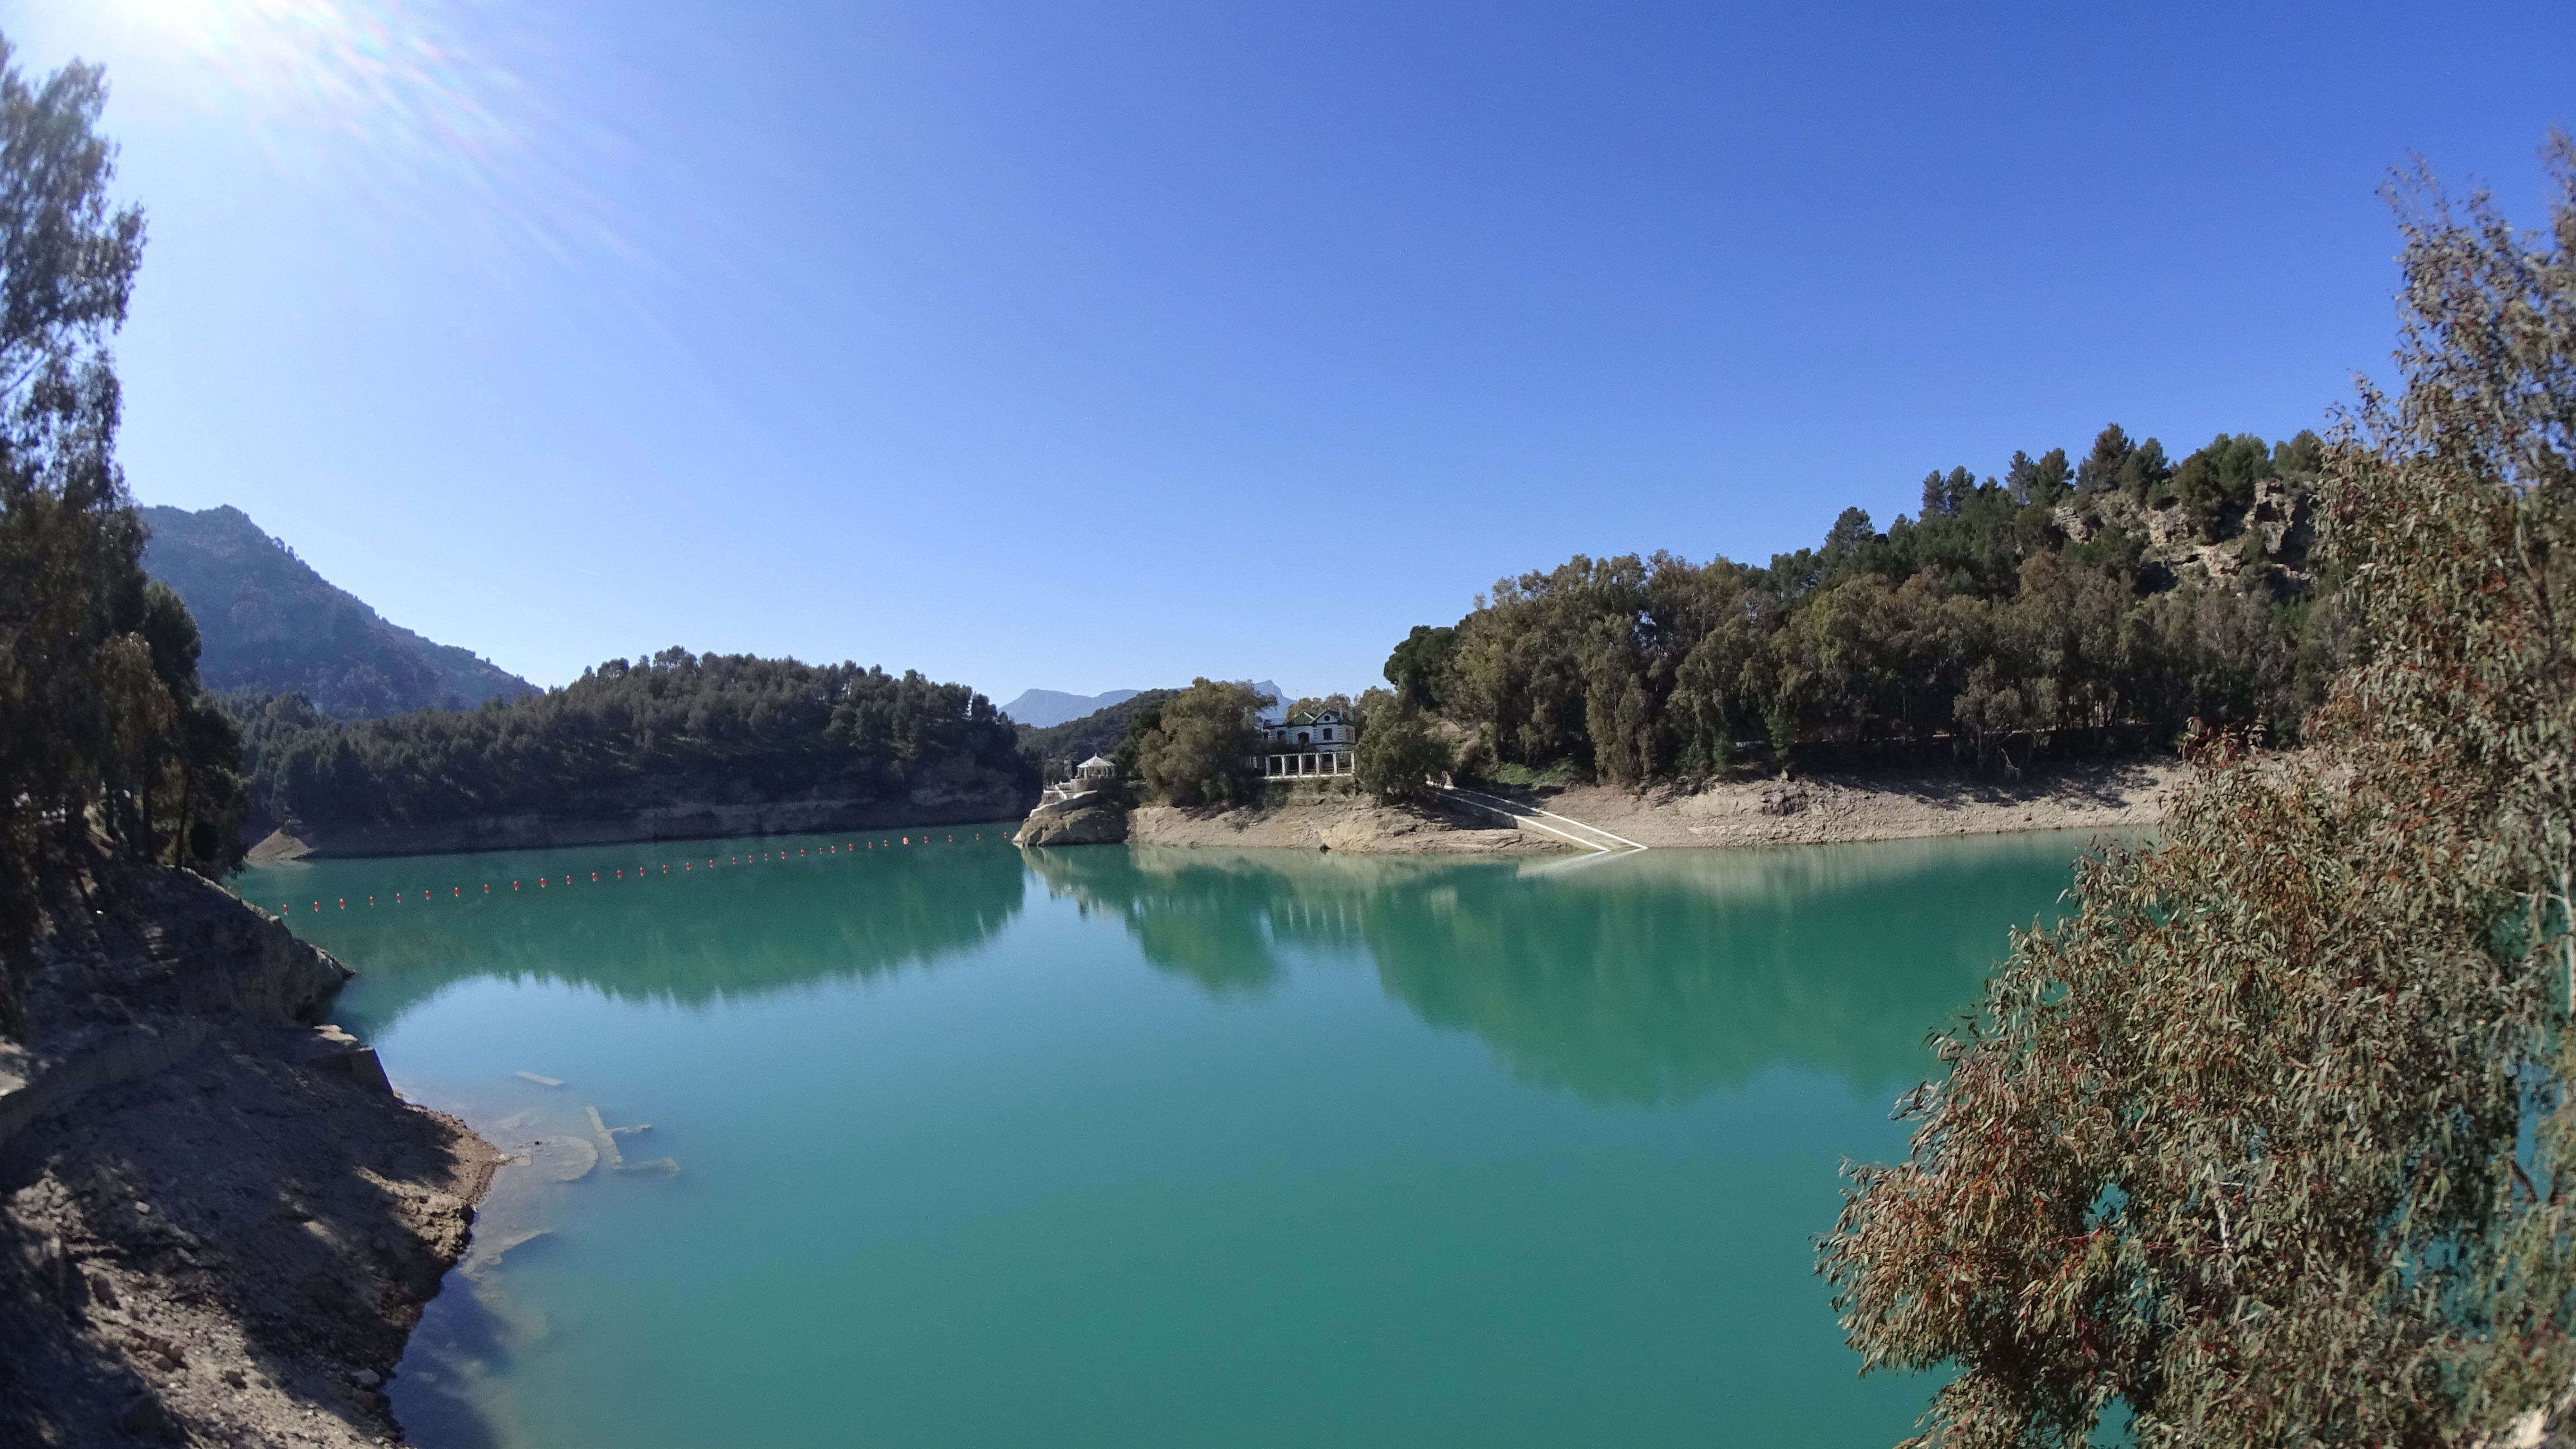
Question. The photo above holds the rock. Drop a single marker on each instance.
(144, 1418)
(336, 1051)
(365, 1378)
(223, 1200)
(565, 1159)
(278, 846)
(1081, 822)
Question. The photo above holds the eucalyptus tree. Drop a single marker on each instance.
(2271, 1143)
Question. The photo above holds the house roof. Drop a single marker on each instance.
(1312, 717)
(1096, 760)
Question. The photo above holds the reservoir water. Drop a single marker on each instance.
(949, 1146)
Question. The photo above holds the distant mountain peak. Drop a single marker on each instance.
(273, 624)
(1039, 708)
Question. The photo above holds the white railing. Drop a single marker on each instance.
(1317, 766)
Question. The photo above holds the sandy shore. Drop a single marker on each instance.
(1805, 810)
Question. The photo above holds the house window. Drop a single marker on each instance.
(1301, 737)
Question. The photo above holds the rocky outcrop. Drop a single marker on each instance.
(700, 821)
(218, 1224)
(1089, 819)
(2281, 518)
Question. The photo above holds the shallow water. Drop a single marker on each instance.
(1142, 1148)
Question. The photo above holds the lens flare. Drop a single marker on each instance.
(392, 75)
(432, 107)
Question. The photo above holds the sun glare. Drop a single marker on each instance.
(380, 69)
(424, 105)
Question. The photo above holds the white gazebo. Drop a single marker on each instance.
(1092, 774)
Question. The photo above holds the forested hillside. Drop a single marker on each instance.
(674, 729)
(273, 625)
(2064, 607)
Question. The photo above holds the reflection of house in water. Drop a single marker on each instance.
(1309, 742)
(1090, 775)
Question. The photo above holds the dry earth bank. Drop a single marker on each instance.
(1833, 809)
(1804, 810)
(217, 1222)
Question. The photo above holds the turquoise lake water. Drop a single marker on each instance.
(952, 1146)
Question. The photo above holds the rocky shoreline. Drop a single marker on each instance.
(218, 1224)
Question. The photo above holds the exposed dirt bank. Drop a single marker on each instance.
(1817, 810)
(1350, 822)
(1832, 809)
(217, 1223)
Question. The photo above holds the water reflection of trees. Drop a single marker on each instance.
(689, 938)
(1651, 977)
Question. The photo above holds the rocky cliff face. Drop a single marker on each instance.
(217, 1222)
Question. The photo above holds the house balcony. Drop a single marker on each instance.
(1325, 762)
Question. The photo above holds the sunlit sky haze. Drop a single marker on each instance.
(1089, 346)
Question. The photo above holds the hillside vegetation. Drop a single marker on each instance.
(271, 625)
(2067, 606)
(674, 729)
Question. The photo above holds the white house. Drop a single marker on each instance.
(1309, 742)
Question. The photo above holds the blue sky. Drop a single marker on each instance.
(1083, 346)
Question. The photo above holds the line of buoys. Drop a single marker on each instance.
(641, 870)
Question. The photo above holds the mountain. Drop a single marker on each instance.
(1039, 708)
(272, 624)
